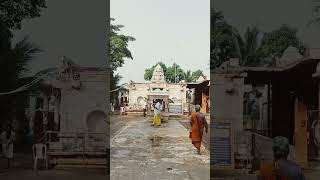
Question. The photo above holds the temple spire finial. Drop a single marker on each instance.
(158, 75)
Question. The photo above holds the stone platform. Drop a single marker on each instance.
(139, 151)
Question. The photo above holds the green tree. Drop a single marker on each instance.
(114, 81)
(174, 74)
(13, 12)
(222, 42)
(119, 51)
(251, 49)
(196, 74)
(188, 76)
(14, 58)
(277, 41)
(249, 53)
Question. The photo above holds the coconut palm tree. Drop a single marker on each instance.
(188, 76)
(250, 50)
(253, 48)
(14, 59)
(257, 49)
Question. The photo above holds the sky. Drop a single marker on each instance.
(165, 30)
(72, 28)
(268, 15)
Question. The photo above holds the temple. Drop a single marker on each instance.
(174, 96)
(67, 112)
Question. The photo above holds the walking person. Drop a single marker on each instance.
(198, 123)
(157, 114)
(122, 109)
(7, 139)
(145, 108)
(281, 168)
(112, 107)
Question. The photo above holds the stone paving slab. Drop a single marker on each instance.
(75, 174)
(134, 157)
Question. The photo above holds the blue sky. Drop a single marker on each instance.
(165, 30)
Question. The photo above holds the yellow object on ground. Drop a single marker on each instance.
(157, 120)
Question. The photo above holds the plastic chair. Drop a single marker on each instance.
(39, 153)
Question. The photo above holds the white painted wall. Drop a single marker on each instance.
(227, 106)
(142, 90)
(77, 104)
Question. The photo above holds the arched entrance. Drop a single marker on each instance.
(140, 101)
(97, 122)
(97, 131)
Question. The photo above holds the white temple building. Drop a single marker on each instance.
(173, 95)
(68, 112)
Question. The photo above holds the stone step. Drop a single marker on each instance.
(93, 161)
(66, 166)
(76, 155)
(78, 162)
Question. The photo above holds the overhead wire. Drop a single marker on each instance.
(26, 86)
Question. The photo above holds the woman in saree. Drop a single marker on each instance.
(198, 123)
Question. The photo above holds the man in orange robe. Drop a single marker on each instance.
(198, 123)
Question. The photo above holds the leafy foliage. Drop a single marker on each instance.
(149, 71)
(119, 51)
(188, 76)
(222, 40)
(253, 48)
(14, 58)
(174, 73)
(250, 53)
(13, 12)
(276, 42)
(196, 74)
(13, 62)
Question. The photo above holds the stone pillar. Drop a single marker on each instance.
(149, 104)
(316, 75)
(227, 98)
(31, 113)
(226, 93)
(62, 109)
(166, 101)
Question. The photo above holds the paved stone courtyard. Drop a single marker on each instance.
(135, 156)
(75, 174)
(22, 168)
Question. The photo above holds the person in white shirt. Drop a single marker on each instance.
(145, 108)
(122, 109)
(157, 114)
